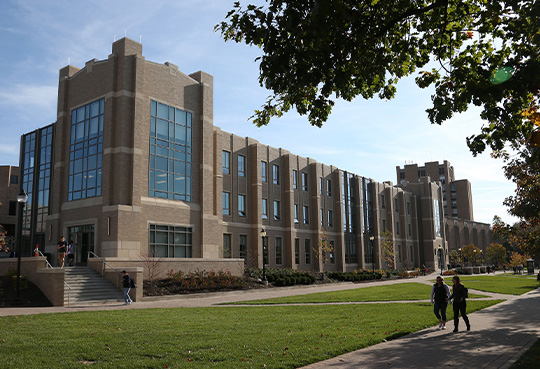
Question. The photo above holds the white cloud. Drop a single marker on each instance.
(29, 95)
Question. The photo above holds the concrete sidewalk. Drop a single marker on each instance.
(499, 335)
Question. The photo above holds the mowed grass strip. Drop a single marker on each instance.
(221, 337)
(393, 292)
(507, 284)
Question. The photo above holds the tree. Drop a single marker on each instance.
(496, 254)
(471, 252)
(313, 51)
(388, 249)
(324, 250)
(517, 259)
(454, 258)
(3, 245)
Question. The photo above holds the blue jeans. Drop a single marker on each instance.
(127, 298)
(442, 307)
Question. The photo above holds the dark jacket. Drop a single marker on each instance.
(126, 281)
(459, 294)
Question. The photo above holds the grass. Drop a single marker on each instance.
(219, 337)
(394, 292)
(508, 284)
(530, 359)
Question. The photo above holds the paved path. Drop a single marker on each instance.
(500, 334)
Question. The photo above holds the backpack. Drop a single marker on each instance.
(132, 283)
(465, 293)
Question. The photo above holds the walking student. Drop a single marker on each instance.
(70, 254)
(62, 246)
(459, 294)
(126, 284)
(440, 293)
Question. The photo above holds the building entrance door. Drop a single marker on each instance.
(83, 239)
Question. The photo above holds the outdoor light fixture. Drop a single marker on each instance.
(22, 197)
(441, 258)
(263, 236)
(371, 238)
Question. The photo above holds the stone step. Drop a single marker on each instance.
(87, 286)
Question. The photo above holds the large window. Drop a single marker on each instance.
(226, 203)
(85, 151)
(241, 166)
(297, 251)
(306, 214)
(437, 217)
(264, 206)
(328, 187)
(169, 241)
(227, 245)
(279, 251)
(294, 179)
(296, 213)
(263, 171)
(330, 220)
(304, 181)
(277, 210)
(242, 205)
(275, 174)
(226, 159)
(170, 153)
(307, 251)
(242, 246)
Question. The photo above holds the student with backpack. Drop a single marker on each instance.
(127, 284)
(440, 293)
(459, 294)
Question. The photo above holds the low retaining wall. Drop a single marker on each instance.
(49, 281)
(136, 273)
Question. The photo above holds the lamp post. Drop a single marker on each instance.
(371, 238)
(263, 236)
(460, 258)
(441, 258)
(474, 251)
(22, 197)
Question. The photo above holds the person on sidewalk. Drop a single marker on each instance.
(440, 293)
(61, 246)
(126, 284)
(459, 294)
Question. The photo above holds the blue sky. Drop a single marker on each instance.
(367, 137)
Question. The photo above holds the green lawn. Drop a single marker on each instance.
(220, 337)
(508, 284)
(393, 292)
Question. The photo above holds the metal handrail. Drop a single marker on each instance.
(66, 284)
(103, 263)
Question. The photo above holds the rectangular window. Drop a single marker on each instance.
(437, 217)
(297, 251)
(278, 251)
(329, 187)
(397, 227)
(294, 179)
(304, 181)
(227, 246)
(383, 205)
(13, 208)
(396, 204)
(384, 225)
(277, 213)
(170, 152)
(169, 241)
(226, 203)
(263, 171)
(264, 206)
(408, 207)
(307, 250)
(242, 246)
(306, 214)
(332, 253)
(86, 151)
(322, 217)
(226, 162)
(398, 251)
(321, 185)
(410, 230)
(275, 174)
(330, 219)
(242, 205)
(14, 179)
(296, 213)
(241, 166)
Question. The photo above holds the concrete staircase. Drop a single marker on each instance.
(88, 287)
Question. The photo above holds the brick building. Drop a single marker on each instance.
(135, 166)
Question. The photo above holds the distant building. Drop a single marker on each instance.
(9, 189)
(135, 166)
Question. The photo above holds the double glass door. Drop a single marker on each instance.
(83, 242)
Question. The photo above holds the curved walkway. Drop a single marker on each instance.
(500, 334)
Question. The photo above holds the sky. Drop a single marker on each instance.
(366, 137)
